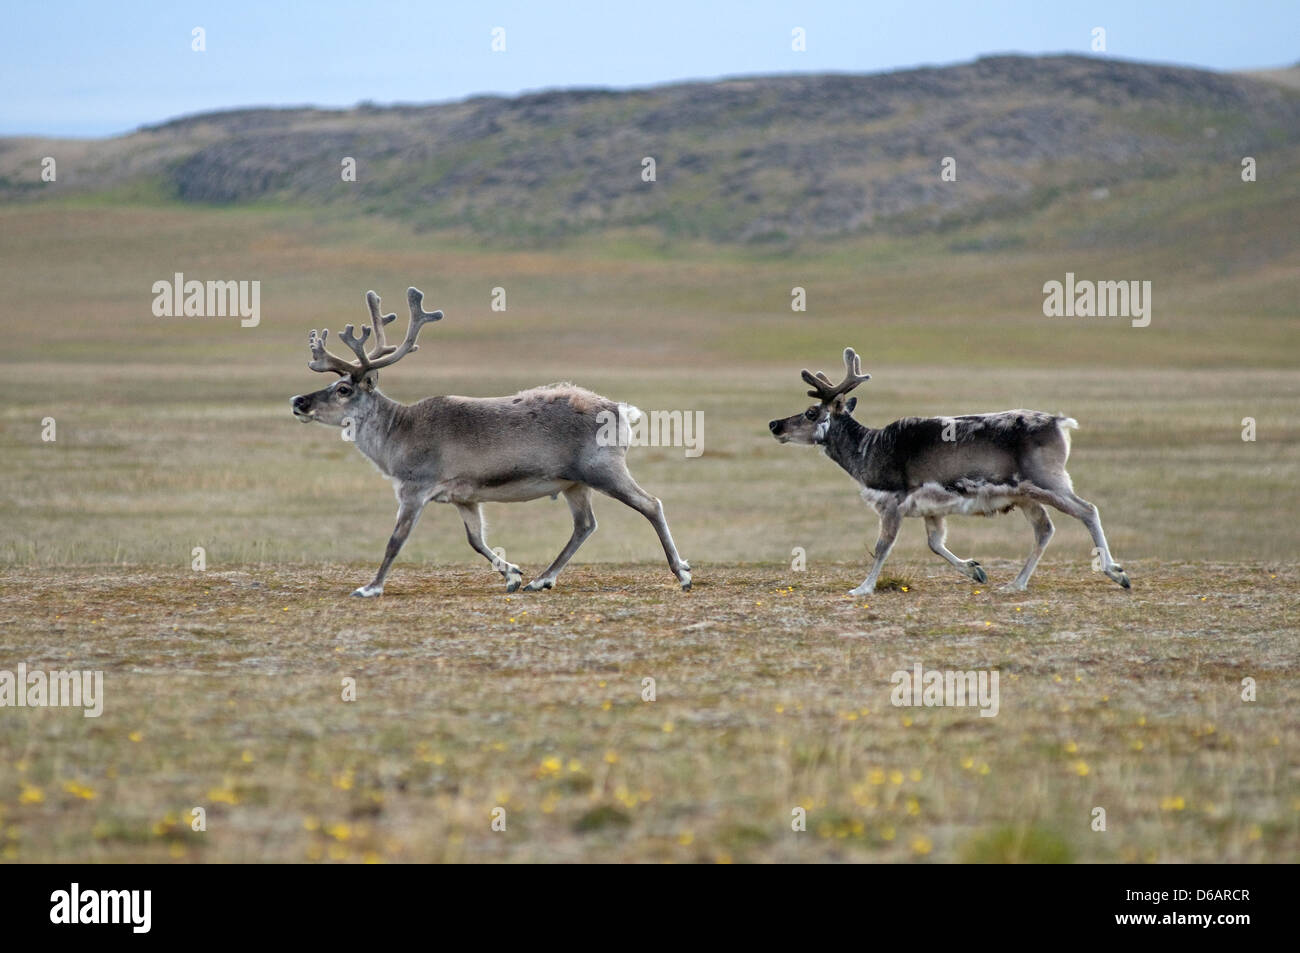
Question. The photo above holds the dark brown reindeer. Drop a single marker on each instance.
(473, 450)
(933, 467)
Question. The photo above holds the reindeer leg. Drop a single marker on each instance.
(578, 497)
(472, 514)
(1042, 524)
(618, 483)
(936, 531)
(408, 513)
(1065, 500)
(890, 521)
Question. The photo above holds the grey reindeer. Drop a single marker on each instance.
(473, 450)
(933, 467)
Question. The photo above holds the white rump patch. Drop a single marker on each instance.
(1065, 425)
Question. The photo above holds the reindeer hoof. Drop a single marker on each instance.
(513, 580)
(1116, 572)
(368, 592)
(685, 579)
(537, 585)
(976, 572)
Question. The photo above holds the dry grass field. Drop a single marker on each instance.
(224, 691)
(223, 687)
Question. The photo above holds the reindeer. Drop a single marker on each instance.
(468, 451)
(933, 467)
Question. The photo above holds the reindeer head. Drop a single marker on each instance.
(353, 394)
(810, 426)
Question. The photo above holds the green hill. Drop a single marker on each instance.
(743, 160)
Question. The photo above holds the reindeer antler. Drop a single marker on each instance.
(382, 354)
(323, 360)
(377, 321)
(419, 318)
(824, 390)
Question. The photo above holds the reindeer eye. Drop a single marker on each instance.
(810, 413)
(345, 391)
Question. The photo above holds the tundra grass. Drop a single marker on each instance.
(771, 696)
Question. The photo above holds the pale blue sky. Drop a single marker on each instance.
(95, 68)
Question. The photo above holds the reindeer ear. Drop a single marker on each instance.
(848, 407)
(368, 380)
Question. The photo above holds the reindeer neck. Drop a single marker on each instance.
(375, 434)
(845, 443)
